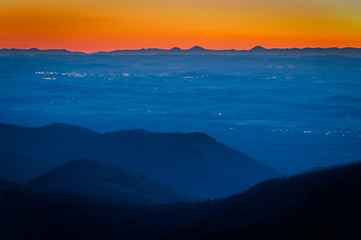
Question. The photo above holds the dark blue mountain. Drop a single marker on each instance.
(196, 49)
(93, 179)
(317, 205)
(21, 168)
(193, 163)
(5, 185)
(257, 49)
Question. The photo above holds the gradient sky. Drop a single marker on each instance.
(104, 25)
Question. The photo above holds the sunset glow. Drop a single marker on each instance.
(93, 25)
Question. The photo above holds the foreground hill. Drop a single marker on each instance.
(193, 163)
(318, 205)
(97, 180)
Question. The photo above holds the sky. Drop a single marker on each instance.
(105, 25)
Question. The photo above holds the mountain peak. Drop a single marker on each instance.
(33, 49)
(176, 49)
(258, 48)
(197, 48)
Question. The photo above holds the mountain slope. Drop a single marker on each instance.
(6, 184)
(93, 179)
(318, 205)
(193, 163)
(20, 168)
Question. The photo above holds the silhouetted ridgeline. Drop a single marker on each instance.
(258, 50)
(193, 163)
(318, 205)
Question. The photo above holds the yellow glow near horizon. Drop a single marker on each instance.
(93, 25)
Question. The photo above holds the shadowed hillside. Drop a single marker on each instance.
(193, 163)
(97, 180)
(318, 205)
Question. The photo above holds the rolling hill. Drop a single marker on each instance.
(317, 205)
(93, 179)
(193, 163)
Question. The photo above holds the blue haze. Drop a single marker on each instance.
(292, 112)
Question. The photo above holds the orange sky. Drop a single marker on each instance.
(104, 25)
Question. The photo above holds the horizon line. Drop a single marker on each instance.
(196, 47)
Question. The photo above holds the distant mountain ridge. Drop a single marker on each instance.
(193, 163)
(258, 50)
